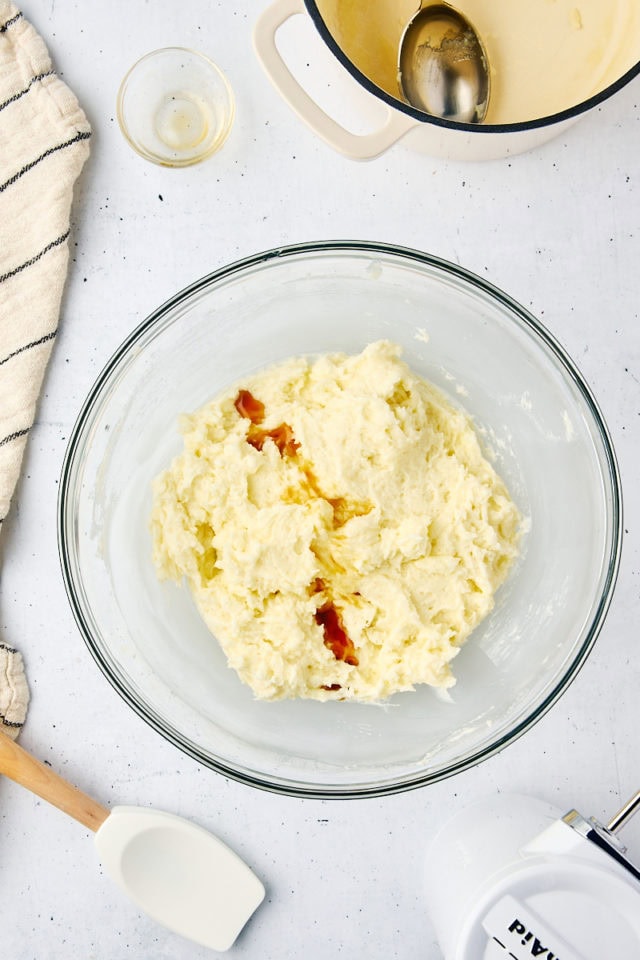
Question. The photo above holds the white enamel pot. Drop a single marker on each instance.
(551, 62)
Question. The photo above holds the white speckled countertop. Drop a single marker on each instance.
(558, 229)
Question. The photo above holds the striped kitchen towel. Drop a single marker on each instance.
(43, 145)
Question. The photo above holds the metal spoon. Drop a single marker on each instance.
(442, 65)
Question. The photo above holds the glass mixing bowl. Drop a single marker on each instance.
(538, 422)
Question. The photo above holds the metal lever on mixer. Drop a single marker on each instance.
(625, 813)
(606, 838)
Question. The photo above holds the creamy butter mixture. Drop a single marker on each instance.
(338, 525)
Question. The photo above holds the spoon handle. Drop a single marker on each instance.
(20, 766)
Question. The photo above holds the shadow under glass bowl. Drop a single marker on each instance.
(536, 418)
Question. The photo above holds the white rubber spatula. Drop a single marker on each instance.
(177, 872)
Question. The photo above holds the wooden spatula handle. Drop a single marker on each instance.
(17, 764)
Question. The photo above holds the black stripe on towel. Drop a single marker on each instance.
(9, 723)
(35, 257)
(21, 93)
(82, 135)
(14, 436)
(28, 346)
(10, 22)
(5, 646)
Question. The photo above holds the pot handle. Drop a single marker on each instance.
(356, 146)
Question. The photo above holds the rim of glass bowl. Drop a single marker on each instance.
(66, 539)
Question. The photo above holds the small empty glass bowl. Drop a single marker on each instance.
(175, 107)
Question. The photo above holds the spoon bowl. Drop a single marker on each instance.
(442, 66)
(179, 874)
